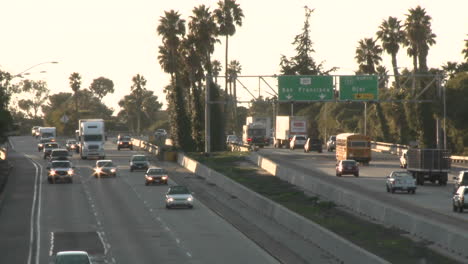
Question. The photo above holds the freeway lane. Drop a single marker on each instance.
(431, 200)
(120, 220)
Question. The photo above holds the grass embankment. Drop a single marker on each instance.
(388, 243)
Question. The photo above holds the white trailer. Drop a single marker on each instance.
(287, 127)
(92, 138)
(265, 120)
(47, 132)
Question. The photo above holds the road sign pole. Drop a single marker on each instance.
(365, 118)
(207, 115)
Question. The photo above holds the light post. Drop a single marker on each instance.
(35, 65)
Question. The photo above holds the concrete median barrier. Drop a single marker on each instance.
(342, 249)
(445, 236)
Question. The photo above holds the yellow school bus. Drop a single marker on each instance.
(353, 146)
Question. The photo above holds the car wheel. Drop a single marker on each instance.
(146, 183)
(356, 175)
(460, 209)
(131, 148)
(320, 151)
(70, 180)
(131, 169)
(454, 207)
(49, 179)
(339, 174)
(118, 149)
(190, 206)
(95, 176)
(168, 207)
(392, 190)
(386, 187)
(413, 191)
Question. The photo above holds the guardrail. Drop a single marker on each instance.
(397, 149)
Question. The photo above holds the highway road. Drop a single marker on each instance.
(117, 220)
(432, 198)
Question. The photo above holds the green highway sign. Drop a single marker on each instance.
(359, 88)
(305, 88)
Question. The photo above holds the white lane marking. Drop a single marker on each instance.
(33, 208)
(51, 251)
(167, 228)
(188, 254)
(104, 245)
(38, 220)
(11, 143)
(177, 240)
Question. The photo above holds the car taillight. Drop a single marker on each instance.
(249, 139)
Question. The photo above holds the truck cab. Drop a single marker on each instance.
(92, 138)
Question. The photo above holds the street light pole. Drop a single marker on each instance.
(46, 62)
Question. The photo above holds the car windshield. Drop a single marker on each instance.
(105, 164)
(45, 140)
(93, 138)
(126, 138)
(156, 171)
(60, 153)
(139, 158)
(178, 190)
(402, 174)
(71, 142)
(51, 145)
(72, 259)
(61, 164)
(349, 163)
(300, 138)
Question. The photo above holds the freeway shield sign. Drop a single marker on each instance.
(359, 88)
(305, 88)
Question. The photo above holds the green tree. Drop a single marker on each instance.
(101, 87)
(6, 120)
(75, 84)
(368, 56)
(172, 28)
(217, 68)
(419, 36)
(465, 50)
(392, 36)
(228, 15)
(38, 91)
(138, 89)
(149, 108)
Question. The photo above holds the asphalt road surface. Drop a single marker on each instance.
(430, 199)
(116, 220)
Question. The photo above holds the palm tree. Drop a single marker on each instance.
(234, 69)
(227, 16)
(171, 28)
(465, 51)
(216, 69)
(392, 35)
(138, 89)
(75, 84)
(368, 55)
(419, 37)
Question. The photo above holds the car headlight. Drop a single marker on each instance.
(164, 177)
(190, 199)
(52, 172)
(129, 143)
(40, 145)
(113, 170)
(70, 172)
(98, 170)
(170, 199)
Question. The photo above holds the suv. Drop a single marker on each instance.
(331, 144)
(401, 180)
(160, 132)
(124, 142)
(59, 154)
(138, 162)
(460, 199)
(347, 167)
(105, 167)
(297, 141)
(48, 147)
(71, 145)
(460, 180)
(313, 144)
(156, 175)
(60, 170)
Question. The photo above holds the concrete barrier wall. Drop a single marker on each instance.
(442, 235)
(342, 249)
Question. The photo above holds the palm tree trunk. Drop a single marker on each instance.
(226, 65)
(395, 70)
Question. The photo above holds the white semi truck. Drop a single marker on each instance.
(47, 132)
(287, 127)
(91, 137)
(265, 120)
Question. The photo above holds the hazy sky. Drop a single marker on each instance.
(117, 39)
